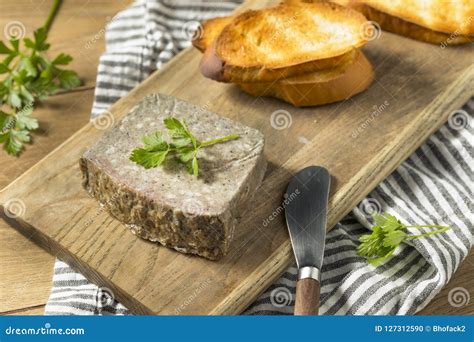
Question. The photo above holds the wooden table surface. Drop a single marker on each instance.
(25, 269)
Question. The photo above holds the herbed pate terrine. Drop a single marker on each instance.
(166, 204)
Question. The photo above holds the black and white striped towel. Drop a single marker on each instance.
(435, 185)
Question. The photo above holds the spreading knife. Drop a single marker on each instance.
(306, 202)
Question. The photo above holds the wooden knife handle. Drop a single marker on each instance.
(307, 297)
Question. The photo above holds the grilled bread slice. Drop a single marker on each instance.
(446, 16)
(316, 88)
(284, 41)
(432, 21)
(213, 27)
(320, 87)
(212, 67)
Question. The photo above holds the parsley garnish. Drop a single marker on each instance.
(29, 76)
(184, 147)
(386, 235)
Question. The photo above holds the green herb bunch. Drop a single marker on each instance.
(27, 76)
(387, 234)
(184, 147)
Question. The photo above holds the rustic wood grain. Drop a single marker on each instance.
(463, 280)
(147, 277)
(30, 311)
(26, 269)
(79, 29)
(59, 117)
(307, 297)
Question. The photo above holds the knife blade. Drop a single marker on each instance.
(306, 201)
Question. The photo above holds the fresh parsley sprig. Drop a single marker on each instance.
(27, 76)
(386, 235)
(184, 147)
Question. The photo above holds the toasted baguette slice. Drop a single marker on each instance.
(406, 28)
(448, 16)
(210, 30)
(213, 27)
(284, 41)
(212, 67)
(320, 87)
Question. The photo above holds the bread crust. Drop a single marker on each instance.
(399, 26)
(318, 88)
(449, 16)
(311, 83)
(213, 67)
(430, 19)
(405, 28)
(286, 40)
(210, 30)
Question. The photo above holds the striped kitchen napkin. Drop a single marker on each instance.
(434, 185)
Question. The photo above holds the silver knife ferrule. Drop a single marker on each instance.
(308, 272)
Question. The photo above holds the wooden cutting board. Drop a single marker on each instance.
(360, 141)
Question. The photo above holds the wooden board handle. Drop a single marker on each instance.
(307, 297)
